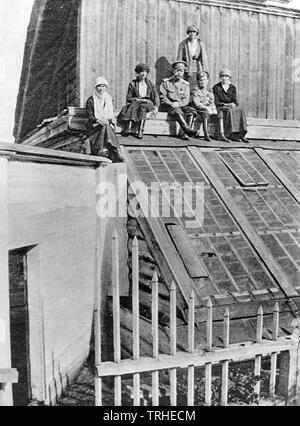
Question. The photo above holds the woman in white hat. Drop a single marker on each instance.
(192, 51)
(101, 123)
(234, 119)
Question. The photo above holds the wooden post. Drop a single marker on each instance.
(208, 366)
(136, 314)
(225, 365)
(98, 380)
(116, 313)
(209, 325)
(173, 343)
(257, 365)
(191, 343)
(274, 355)
(155, 374)
(97, 309)
(2, 390)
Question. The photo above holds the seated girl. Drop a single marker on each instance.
(101, 123)
(142, 99)
(235, 124)
(203, 101)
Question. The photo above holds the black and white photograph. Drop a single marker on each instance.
(149, 205)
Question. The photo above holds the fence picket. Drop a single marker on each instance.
(208, 367)
(257, 362)
(116, 313)
(209, 325)
(136, 317)
(173, 343)
(155, 374)
(98, 380)
(274, 355)
(225, 364)
(191, 344)
(286, 346)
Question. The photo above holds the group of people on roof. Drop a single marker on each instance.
(185, 96)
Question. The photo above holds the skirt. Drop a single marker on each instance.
(136, 111)
(234, 121)
(103, 137)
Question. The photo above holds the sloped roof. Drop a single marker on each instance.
(249, 242)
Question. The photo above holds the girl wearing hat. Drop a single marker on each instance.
(234, 119)
(192, 51)
(142, 99)
(101, 123)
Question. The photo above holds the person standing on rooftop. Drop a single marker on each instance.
(192, 51)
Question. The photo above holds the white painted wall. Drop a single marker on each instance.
(5, 359)
(53, 209)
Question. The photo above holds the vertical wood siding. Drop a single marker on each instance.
(259, 47)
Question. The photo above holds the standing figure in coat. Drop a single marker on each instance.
(235, 123)
(192, 51)
(175, 98)
(101, 123)
(203, 101)
(142, 99)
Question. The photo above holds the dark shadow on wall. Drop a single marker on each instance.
(163, 70)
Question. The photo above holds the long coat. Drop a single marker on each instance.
(222, 98)
(234, 118)
(100, 136)
(196, 64)
(136, 110)
(133, 92)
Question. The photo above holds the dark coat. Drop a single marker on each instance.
(91, 114)
(133, 92)
(222, 98)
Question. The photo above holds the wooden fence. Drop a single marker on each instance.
(287, 347)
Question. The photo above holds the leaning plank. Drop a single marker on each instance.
(170, 255)
(188, 254)
(261, 249)
(278, 173)
(43, 152)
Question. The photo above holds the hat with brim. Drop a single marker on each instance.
(202, 74)
(225, 71)
(174, 65)
(142, 67)
(101, 81)
(192, 28)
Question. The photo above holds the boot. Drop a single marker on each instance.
(141, 129)
(190, 121)
(222, 136)
(116, 155)
(185, 127)
(127, 129)
(205, 128)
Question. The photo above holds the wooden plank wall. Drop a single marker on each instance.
(49, 75)
(259, 44)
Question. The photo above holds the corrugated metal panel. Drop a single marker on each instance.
(258, 47)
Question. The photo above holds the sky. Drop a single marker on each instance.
(14, 19)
